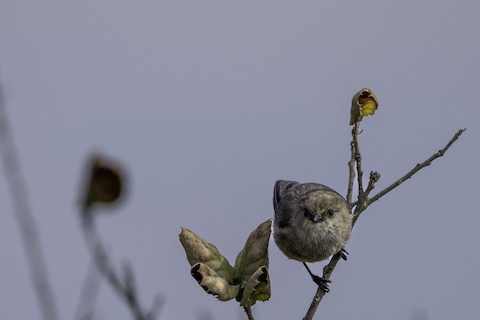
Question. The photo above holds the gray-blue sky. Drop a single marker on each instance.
(207, 103)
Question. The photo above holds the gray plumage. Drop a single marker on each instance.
(312, 221)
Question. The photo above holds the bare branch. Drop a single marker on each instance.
(363, 199)
(358, 158)
(327, 272)
(351, 174)
(129, 278)
(248, 311)
(25, 220)
(156, 307)
(417, 168)
(88, 296)
(374, 177)
(363, 202)
(102, 260)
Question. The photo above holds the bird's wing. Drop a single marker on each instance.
(279, 191)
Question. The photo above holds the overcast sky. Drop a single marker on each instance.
(207, 103)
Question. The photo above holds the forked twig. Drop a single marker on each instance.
(364, 202)
(123, 286)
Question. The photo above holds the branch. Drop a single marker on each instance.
(25, 220)
(417, 168)
(88, 295)
(363, 202)
(358, 158)
(351, 174)
(156, 307)
(327, 272)
(124, 289)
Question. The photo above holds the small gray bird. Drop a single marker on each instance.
(312, 222)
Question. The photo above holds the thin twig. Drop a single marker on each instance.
(25, 220)
(248, 311)
(351, 174)
(417, 168)
(89, 293)
(156, 307)
(358, 158)
(129, 278)
(328, 269)
(374, 177)
(106, 268)
(327, 272)
(363, 199)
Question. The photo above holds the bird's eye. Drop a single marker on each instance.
(306, 213)
(330, 212)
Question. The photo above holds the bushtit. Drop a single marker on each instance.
(312, 222)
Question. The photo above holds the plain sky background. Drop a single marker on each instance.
(207, 103)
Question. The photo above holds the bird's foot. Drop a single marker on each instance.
(322, 283)
(344, 254)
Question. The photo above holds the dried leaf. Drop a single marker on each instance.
(255, 252)
(251, 266)
(257, 288)
(105, 184)
(364, 103)
(199, 250)
(212, 283)
(248, 281)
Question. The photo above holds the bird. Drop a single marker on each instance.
(312, 222)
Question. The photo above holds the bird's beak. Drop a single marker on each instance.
(317, 218)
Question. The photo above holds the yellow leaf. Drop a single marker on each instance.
(364, 103)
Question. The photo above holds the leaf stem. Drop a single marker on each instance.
(248, 311)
